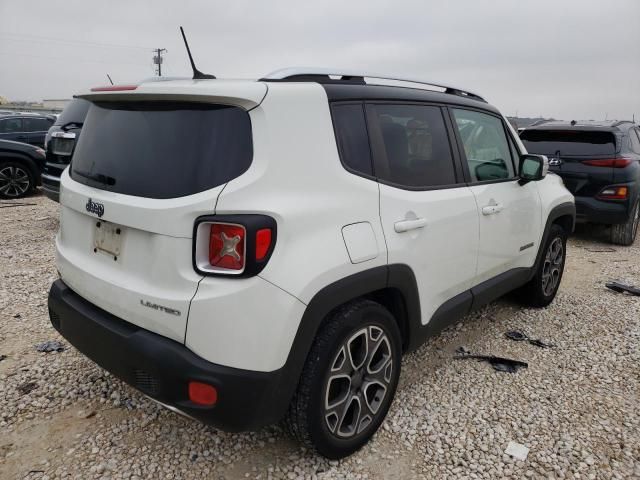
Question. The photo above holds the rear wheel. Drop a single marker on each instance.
(625, 233)
(349, 380)
(542, 288)
(16, 180)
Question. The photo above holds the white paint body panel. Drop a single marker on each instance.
(443, 253)
(360, 241)
(516, 224)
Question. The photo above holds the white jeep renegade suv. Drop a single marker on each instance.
(247, 251)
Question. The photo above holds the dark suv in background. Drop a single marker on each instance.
(25, 128)
(60, 143)
(599, 163)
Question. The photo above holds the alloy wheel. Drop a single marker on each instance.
(360, 377)
(552, 267)
(14, 181)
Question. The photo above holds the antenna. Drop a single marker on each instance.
(197, 74)
(109, 77)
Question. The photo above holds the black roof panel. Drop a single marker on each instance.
(344, 91)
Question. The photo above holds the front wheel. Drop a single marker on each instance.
(349, 380)
(625, 233)
(542, 288)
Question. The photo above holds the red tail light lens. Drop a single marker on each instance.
(227, 246)
(263, 243)
(609, 162)
(614, 193)
(202, 394)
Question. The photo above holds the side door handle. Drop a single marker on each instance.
(492, 209)
(406, 225)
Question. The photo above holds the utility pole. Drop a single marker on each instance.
(157, 59)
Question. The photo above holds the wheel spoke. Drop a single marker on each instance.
(357, 349)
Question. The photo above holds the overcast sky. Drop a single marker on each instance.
(560, 58)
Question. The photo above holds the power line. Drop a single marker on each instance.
(38, 38)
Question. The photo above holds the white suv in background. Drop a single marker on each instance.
(247, 251)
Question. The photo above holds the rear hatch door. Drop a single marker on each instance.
(568, 150)
(142, 172)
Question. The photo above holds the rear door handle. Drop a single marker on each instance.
(406, 225)
(492, 209)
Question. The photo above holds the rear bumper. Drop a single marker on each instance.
(590, 209)
(161, 368)
(51, 186)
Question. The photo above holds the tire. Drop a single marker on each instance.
(337, 408)
(625, 233)
(16, 179)
(542, 288)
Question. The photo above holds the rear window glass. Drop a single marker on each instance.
(162, 149)
(569, 143)
(352, 138)
(74, 112)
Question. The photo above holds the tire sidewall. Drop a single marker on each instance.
(326, 442)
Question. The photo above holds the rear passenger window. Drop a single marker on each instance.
(485, 145)
(36, 124)
(416, 151)
(352, 138)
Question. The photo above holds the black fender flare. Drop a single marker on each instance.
(562, 210)
(399, 277)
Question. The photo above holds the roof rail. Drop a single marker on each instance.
(319, 74)
(620, 122)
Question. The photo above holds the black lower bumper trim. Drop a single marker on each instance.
(590, 209)
(161, 368)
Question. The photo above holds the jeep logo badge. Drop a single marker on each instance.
(95, 207)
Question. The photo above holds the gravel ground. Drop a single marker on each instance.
(576, 407)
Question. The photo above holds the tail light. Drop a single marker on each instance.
(235, 245)
(613, 193)
(609, 162)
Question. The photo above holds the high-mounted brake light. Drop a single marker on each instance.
(613, 193)
(202, 394)
(227, 246)
(609, 162)
(114, 88)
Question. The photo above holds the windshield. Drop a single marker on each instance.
(569, 143)
(74, 112)
(162, 149)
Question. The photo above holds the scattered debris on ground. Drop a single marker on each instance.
(50, 346)
(519, 336)
(622, 288)
(27, 387)
(517, 450)
(499, 364)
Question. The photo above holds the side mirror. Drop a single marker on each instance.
(533, 168)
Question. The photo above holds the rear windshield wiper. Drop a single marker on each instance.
(68, 125)
(98, 177)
